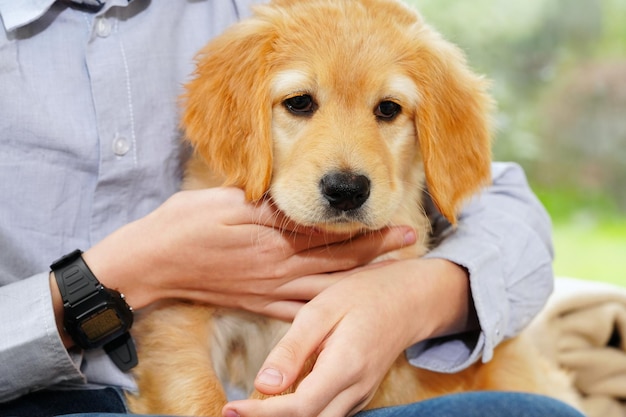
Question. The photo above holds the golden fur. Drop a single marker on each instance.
(351, 58)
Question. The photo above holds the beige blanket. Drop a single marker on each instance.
(583, 329)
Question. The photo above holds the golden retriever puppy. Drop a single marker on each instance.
(342, 112)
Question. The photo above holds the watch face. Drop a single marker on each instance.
(101, 325)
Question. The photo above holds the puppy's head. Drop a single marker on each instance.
(338, 110)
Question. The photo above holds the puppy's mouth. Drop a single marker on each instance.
(354, 219)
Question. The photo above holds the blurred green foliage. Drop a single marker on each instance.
(558, 71)
(590, 250)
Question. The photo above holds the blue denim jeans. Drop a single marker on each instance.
(109, 403)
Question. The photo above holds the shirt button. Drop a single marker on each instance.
(103, 27)
(121, 146)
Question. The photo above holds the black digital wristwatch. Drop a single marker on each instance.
(94, 316)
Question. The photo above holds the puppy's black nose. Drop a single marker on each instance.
(345, 191)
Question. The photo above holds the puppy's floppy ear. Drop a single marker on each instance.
(227, 107)
(453, 122)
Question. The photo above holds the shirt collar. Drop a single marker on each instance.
(18, 13)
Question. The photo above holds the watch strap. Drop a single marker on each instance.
(122, 352)
(75, 279)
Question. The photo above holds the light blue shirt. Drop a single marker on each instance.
(89, 141)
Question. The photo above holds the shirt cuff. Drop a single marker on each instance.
(457, 352)
(32, 355)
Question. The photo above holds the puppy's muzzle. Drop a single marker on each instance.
(345, 191)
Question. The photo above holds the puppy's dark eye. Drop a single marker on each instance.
(302, 105)
(387, 110)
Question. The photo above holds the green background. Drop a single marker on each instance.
(558, 71)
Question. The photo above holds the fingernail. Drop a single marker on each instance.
(230, 413)
(410, 237)
(270, 377)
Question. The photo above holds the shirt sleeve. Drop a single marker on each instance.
(504, 240)
(32, 355)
